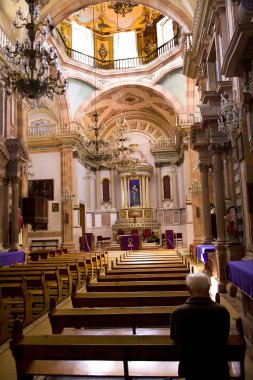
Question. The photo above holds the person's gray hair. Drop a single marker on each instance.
(198, 281)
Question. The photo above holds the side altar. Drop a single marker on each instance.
(136, 215)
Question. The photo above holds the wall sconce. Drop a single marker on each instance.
(195, 188)
(66, 195)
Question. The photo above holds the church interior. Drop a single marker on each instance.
(125, 126)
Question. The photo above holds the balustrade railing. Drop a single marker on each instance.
(3, 39)
(188, 118)
(127, 63)
(38, 131)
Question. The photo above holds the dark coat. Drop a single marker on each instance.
(200, 329)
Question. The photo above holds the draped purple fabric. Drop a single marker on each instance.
(240, 273)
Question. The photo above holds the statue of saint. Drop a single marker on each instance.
(135, 192)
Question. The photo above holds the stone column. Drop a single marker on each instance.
(67, 205)
(147, 192)
(175, 189)
(125, 192)
(158, 186)
(14, 213)
(113, 195)
(122, 192)
(98, 197)
(87, 180)
(1, 211)
(207, 238)
(6, 216)
(220, 209)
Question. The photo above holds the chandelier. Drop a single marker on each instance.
(229, 115)
(99, 152)
(122, 7)
(31, 70)
(122, 151)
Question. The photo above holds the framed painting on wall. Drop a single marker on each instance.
(41, 188)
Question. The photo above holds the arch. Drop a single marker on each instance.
(61, 9)
(106, 189)
(166, 187)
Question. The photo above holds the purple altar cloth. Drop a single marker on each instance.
(202, 250)
(169, 239)
(240, 273)
(129, 242)
(9, 258)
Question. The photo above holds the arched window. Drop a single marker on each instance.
(166, 187)
(106, 190)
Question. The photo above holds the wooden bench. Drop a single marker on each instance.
(141, 277)
(56, 355)
(129, 299)
(52, 277)
(44, 243)
(151, 265)
(19, 299)
(116, 271)
(133, 317)
(135, 286)
(37, 286)
(4, 319)
(64, 273)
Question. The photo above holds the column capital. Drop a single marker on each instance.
(216, 149)
(204, 166)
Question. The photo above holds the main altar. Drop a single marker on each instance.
(136, 214)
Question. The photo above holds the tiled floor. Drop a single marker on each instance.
(42, 326)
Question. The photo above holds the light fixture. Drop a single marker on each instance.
(122, 7)
(229, 115)
(31, 70)
(195, 187)
(122, 151)
(66, 195)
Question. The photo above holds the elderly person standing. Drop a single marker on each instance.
(200, 329)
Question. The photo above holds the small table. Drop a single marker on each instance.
(12, 257)
(202, 251)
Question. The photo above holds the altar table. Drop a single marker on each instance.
(11, 257)
(129, 242)
(240, 273)
(202, 250)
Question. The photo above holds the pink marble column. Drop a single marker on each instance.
(207, 233)
(220, 209)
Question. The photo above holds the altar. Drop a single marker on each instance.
(12, 257)
(129, 242)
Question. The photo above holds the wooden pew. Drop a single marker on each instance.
(135, 286)
(52, 277)
(141, 277)
(66, 354)
(146, 265)
(129, 299)
(156, 316)
(4, 319)
(116, 271)
(64, 273)
(19, 299)
(37, 286)
(150, 260)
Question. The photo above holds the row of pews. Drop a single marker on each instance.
(26, 289)
(129, 302)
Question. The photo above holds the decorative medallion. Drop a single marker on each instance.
(103, 52)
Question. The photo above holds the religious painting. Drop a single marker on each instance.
(41, 188)
(55, 207)
(134, 191)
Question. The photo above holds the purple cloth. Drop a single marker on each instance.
(240, 273)
(202, 250)
(87, 244)
(169, 239)
(129, 242)
(9, 258)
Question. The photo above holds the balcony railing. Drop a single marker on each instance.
(49, 130)
(127, 63)
(3, 39)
